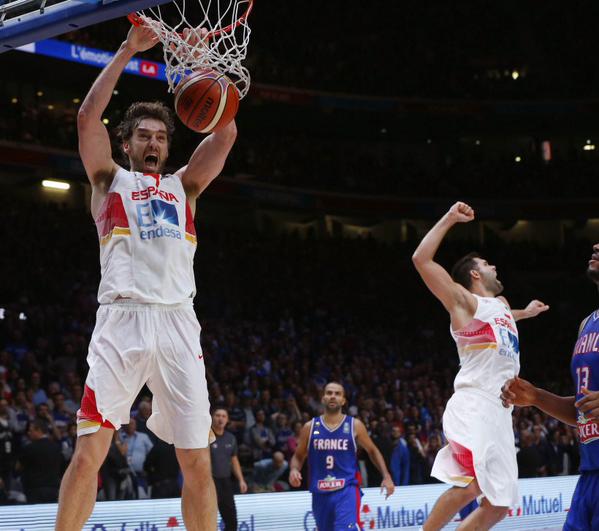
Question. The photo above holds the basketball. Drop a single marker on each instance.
(206, 101)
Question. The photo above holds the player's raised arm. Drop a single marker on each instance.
(452, 295)
(364, 440)
(94, 142)
(297, 461)
(207, 161)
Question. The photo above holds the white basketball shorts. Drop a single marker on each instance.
(134, 344)
(482, 430)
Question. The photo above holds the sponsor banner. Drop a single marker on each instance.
(543, 504)
(77, 53)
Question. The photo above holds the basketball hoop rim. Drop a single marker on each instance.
(136, 20)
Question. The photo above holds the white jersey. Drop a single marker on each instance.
(488, 347)
(147, 240)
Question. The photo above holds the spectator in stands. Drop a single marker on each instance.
(116, 474)
(8, 424)
(530, 459)
(138, 447)
(41, 464)
(269, 474)
(282, 432)
(400, 458)
(162, 469)
(39, 395)
(144, 410)
(262, 439)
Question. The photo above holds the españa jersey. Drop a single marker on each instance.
(332, 460)
(584, 368)
(488, 347)
(147, 240)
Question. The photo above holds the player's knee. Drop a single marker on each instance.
(470, 492)
(195, 465)
(85, 463)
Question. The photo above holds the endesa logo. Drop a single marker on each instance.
(150, 191)
(153, 218)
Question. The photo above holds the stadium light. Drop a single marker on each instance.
(515, 75)
(55, 185)
(589, 147)
(518, 158)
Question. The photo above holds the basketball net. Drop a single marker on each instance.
(202, 34)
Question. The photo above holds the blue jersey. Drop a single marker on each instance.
(585, 373)
(332, 460)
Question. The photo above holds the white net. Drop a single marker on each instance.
(199, 34)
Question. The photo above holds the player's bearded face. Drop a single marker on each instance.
(147, 148)
(593, 269)
(333, 403)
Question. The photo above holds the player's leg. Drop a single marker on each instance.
(579, 516)
(485, 517)
(181, 411)
(79, 484)
(323, 510)
(449, 503)
(118, 370)
(198, 498)
(347, 509)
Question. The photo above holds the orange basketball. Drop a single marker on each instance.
(205, 101)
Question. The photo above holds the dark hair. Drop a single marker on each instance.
(145, 109)
(336, 383)
(220, 408)
(40, 425)
(460, 272)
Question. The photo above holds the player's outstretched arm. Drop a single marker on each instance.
(297, 461)
(533, 309)
(364, 440)
(207, 161)
(520, 392)
(451, 294)
(94, 142)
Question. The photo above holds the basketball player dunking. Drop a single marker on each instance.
(581, 410)
(331, 442)
(146, 328)
(481, 455)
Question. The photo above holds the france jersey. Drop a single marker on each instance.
(585, 373)
(584, 509)
(334, 475)
(332, 456)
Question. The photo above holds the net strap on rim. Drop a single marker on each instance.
(209, 34)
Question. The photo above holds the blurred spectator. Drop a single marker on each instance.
(530, 459)
(138, 448)
(162, 469)
(8, 425)
(418, 464)
(262, 439)
(400, 458)
(116, 473)
(41, 464)
(282, 432)
(269, 474)
(144, 411)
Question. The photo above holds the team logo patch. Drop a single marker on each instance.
(346, 427)
(165, 212)
(588, 430)
(330, 484)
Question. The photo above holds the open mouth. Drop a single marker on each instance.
(151, 160)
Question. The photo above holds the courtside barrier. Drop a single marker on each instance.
(544, 503)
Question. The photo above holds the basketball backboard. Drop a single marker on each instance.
(25, 21)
